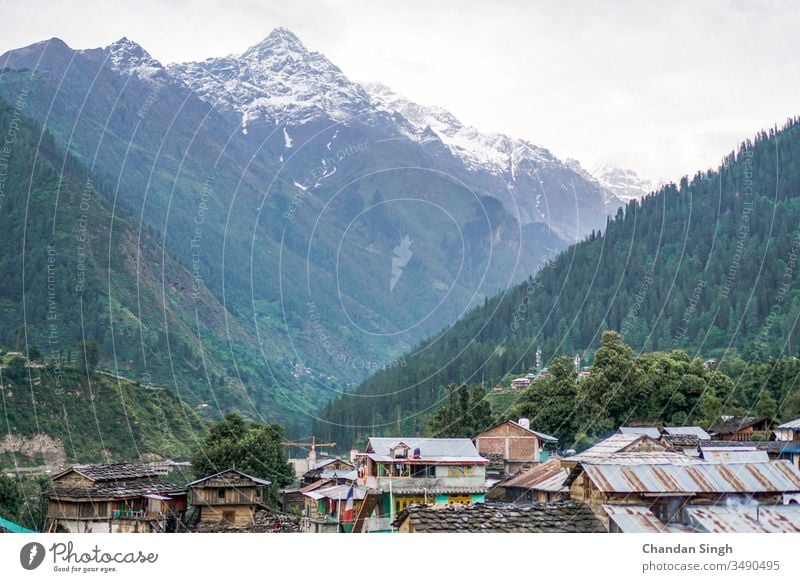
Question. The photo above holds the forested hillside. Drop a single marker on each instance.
(707, 265)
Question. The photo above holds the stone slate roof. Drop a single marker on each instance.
(111, 472)
(115, 490)
(735, 424)
(556, 517)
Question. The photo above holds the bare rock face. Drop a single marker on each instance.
(38, 445)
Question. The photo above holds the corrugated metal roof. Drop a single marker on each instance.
(634, 519)
(648, 458)
(337, 492)
(429, 448)
(547, 476)
(771, 477)
(734, 455)
(425, 459)
(349, 475)
(748, 519)
(650, 431)
(791, 425)
(613, 444)
(687, 430)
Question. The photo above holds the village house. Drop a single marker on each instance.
(666, 487)
(561, 517)
(511, 445)
(520, 383)
(326, 510)
(331, 468)
(543, 482)
(616, 443)
(775, 450)
(788, 431)
(742, 428)
(230, 496)
(408, 471)
(115, 498)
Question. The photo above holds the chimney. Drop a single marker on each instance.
(524, 423)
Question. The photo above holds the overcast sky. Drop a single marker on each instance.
(665, 88)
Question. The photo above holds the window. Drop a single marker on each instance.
(401, 503)
(461, 471)
(463, 499)
(420, 471)
(229, 516)
(221, 494)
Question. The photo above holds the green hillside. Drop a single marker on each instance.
(708, 265)
(58, 414)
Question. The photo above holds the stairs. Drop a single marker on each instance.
(365, 511)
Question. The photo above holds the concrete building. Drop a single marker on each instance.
(511, 445)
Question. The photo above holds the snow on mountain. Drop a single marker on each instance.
(277, 80)
(280, 82)
(625, 183)
(530, 175)
(494, 152)
(126, 56)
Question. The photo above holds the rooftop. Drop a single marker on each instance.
(431, 449)
(745, 519)
(736, 423)
(255, 480)
(557, 517)
(111, 472)
(682, 479)
(791, 425)
(116, 490)
(614, 444)
(547, 476)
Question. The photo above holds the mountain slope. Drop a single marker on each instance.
(73, 267)
(708, 265)
(284, 190)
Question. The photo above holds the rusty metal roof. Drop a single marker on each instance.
(634, 519)
(745, 519)
(771, 477)
(734, 455)
(547, 476)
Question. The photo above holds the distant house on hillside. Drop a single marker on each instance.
(511, 445)
(742, 428)
(116, 498)
(520, 383)
(230, 496)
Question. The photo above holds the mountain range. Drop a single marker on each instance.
(304, 229)
(706, 267)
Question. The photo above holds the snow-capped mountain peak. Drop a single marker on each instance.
(127, 56)
(277, 80)
(625, 183)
